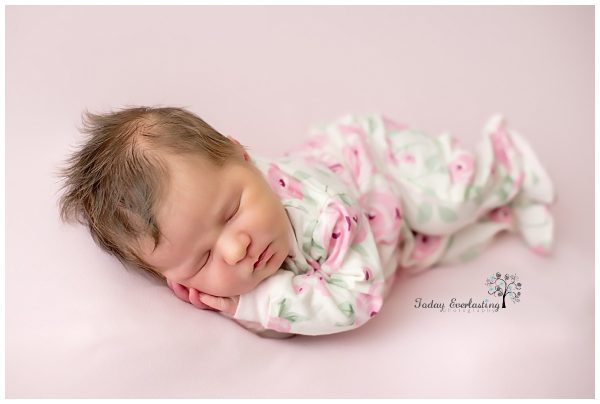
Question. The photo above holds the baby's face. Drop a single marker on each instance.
(216, 223)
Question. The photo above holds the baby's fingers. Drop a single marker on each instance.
(194, 298)
(180, 291)
(224, 304)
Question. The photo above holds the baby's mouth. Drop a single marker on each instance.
(261, 257)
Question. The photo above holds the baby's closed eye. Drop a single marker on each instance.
(210, 251)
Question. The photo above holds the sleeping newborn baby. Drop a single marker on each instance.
(308, 243)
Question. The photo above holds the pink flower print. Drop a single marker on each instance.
(311, 159)
(369, 304)
(425, 245)
(501, 143)
(348, 130)
(321, 285)
(389, 153)
(312, 279)
(502, 214)
(337, 234)
(336, 167)
(314, 142)
(392, 126)
(283, 184)
(279, 324)
(359, 161)
(357, 223)
(541, 250)
(302, 283)
(314, 265)
(368, 273)
(408, 158)
(333, 164)
(384, 212)
(298, 288)
(462, 169)
(517, 184)
(351, 156)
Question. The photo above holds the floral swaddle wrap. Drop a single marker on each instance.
(366, 196)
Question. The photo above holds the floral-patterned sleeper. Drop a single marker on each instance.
(366, 196)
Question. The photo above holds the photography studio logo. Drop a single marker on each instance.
(506, 287)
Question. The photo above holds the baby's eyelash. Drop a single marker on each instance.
(234, 212)
(209, 252)
(207, 258)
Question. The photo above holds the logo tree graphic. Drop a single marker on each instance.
(507, 286)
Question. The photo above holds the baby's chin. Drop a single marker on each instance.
(266, 272)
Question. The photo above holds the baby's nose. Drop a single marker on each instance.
(234, 256)
(235, 249)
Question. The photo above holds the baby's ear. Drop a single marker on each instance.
(245, 153)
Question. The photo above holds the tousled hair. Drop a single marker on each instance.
(115, 180)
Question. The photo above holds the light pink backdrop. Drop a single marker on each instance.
(78, 325)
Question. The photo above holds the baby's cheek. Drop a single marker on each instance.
(228, 281)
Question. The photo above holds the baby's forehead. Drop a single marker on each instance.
(196, 178)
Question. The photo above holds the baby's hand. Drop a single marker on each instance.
(204, 301)
(223, 304)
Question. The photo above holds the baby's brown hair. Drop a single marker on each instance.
(114, 181)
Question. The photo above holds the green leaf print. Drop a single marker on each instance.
(307, 200)
(337, 282)
(502, 195)
(536, 179)
(450, 242)
(284, 312)
(479, 197)
(346, 324)
(309, 229)
(447, 215)
(283, 307)
(291, 204)
(311, 245)
(345, 198)
(432, 162)
(301, 175)
(471, 253)
(359, 249)
(306, 246)
(424, 213)
(347, 309)
(322, 172)
(293, 317)
(319, 249)
(473, 191)
(429, 192)
(371, 124)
